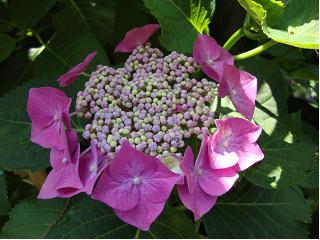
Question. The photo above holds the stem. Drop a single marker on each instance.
(50, 50)
(73, 114)
(85, 74)
(136, 236)
(197, 225)
(255, 51)
(78, 130)
(37, 178)
(233, 39)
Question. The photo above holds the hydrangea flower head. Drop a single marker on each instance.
(234, 144)
(136, 186)
(203, 184)
(69, 77)
(47, 108)
(242, 88)
(211, 56)
(136, 37)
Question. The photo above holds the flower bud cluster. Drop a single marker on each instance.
(153, 102)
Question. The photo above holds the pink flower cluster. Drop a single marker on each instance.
(136, 186)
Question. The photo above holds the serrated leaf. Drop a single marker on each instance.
(181, 21)
(34, 218)
(291, 23)
(92, 219)
(26, 14)
(259, 213)
(4, 203)
(17, 152)
(7, 45)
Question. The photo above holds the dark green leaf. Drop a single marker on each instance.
(7, 45)
(26, 14)
(34, 218)
(181, 21)
(92, 219)
(259, 213)
(16, 149)
(4, 203)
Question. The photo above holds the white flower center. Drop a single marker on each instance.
(64, 160)
(56, 117)
(198, 171)
(225, 138)
(136, 180)
(210, 62)
(93, 168)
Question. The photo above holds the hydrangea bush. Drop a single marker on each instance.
(177, 138)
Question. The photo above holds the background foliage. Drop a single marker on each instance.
(278, 198)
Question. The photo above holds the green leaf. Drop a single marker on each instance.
(259, 213)
(92, 219)
(7, 45)
(291, 23)
(4, 203)
(17, 152)
(26, 14)
(181, 21)
(34, 218)
(288, 157)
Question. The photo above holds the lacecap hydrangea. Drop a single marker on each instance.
(141, 119)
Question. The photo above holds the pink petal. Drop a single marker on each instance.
(142, 216)
(72, 75)
(217, 182)
(47, 105)
(130, 162)
(136, 37)
(205, 48)
(249, 155)
(242, 88)
(120, 195)
(198, 202)
(47, 137)
(187, 166)
(242, 129)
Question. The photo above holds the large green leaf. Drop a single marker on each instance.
(16, 149)
(291, 23)
(25, 14)
(7, 45)
(4, 203)
(259, 213)
(288, 157)
(92, 219)
(181, 21)
(34, 218)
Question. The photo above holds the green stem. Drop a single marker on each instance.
(50, 50)
(197, 225)
(233, 39)
(78, 130)
(255, 51)
(136, 236)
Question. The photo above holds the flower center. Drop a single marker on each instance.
(64, 160)
(198, 171)
(210, 62)
(225, 140)
(93, 168)
(56, 117)
(136, 180)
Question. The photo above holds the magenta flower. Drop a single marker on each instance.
(65, 163)
(47, 108)
(203, 184)
(211, 56)
(136, 186)
(136, 37)
(233, 144)
(72, 75)
(242, 88)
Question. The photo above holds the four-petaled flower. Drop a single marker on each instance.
(234, 144)
(136, 186)
(69, 77)
(242, 88)
(211, 56)
(47, 108)
(136, 37)
(203, 184)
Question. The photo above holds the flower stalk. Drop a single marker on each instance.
(255, 51)
(233, 39)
